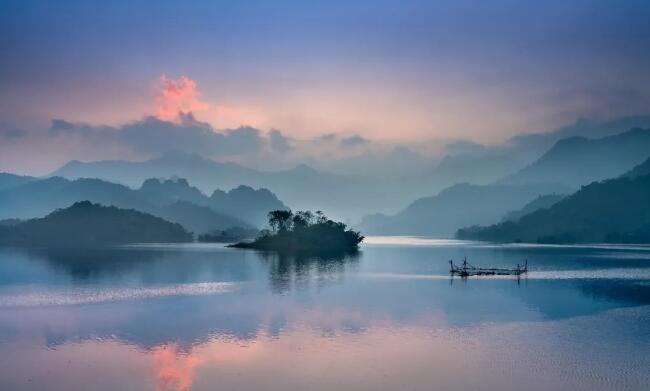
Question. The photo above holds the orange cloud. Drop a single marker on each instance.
(178, 96)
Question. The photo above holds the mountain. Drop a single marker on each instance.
(204, 173)
(85, 223)
(577, 161)
(640, 170)
(165, 192)
(198, 219)
(39, 197)
(301, 187)
(8, 180)
(246, 203)
(612, 211)
(535, 144)
(457, 206)
(541, 202)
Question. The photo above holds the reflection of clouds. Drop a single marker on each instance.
(173, 369)
(568, 355)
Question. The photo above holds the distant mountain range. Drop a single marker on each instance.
(85, 223)
(614, 211)
(541, 202)
(301, 187)
(174, 200)
(578, 161)
(10, 180)
(390, 180)
(457, 206)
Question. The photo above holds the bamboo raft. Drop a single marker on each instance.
(466, 270)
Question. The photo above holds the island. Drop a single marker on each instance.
(304, 232)
(88, 224)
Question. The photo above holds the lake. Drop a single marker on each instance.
(205, 317)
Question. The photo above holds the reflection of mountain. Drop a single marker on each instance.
(325, 295)
(161, 198)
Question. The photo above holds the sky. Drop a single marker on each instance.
(390, 71)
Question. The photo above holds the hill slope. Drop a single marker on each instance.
(85, 223)
(457, 206)
(40, 197)
(541, 202)
(615, 211)
(8, 180)
(578, 161)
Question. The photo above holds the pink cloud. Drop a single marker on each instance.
(178, 96)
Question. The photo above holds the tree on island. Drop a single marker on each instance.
(304, 231)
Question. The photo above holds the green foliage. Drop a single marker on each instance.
(304, 231)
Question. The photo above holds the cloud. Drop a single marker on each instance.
(178, 96)
(278, 142)
(153, 136)
(8, 133)
(353, 141)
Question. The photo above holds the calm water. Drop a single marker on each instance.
(203, 317)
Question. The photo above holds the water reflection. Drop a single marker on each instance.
(184, 317)
(289, 271)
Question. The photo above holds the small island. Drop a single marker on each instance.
(304, 232)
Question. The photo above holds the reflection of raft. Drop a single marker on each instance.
(466, 270)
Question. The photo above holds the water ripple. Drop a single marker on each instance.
(76, 296)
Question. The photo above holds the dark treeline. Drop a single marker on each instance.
(304, 231)
(229, 235)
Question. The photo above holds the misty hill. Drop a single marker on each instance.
(199, 171)
(248, 204)
(198, 219)
(85, 223)
(301, 186)
(8, 180)
(541, 202)
(576, 161)
(457, 206)
(535, 144)
(640, 170)
(40, 197)
(169, 191)
(614, 211)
